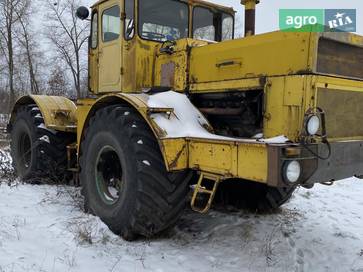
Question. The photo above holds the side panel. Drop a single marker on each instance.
(228, 159)
(171, 70)
(214, 157)
(268, 54)
(284, 106)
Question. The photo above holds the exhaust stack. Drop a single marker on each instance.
(250, 16)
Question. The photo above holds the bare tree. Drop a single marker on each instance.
(10, 12)
(68, 35)
(239, 29)
(57, 83)
(25, 38)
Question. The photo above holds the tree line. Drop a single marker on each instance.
(43, 49)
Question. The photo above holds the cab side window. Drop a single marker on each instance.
(203, 24)
(227, 27)
(94, 31)
(111, 24)
(129, 26)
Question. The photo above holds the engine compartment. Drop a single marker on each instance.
(233, 114)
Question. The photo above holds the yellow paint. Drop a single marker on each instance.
(229, 159)
(59, 113)
(253, 162)
(250, 4)
(284, 106)
(252, 57)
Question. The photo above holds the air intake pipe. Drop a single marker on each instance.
(250, 16)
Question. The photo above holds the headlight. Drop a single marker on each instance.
(313, 125)
(292, 171)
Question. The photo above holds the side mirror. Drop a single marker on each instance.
(82, 13)
(130, 29)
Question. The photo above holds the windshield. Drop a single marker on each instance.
(211, 25)
(163, 20)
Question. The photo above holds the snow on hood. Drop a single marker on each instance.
(187, 120)
(275, 140)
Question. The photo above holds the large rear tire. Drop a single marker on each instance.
(252, 196)
(123, 176)
(39, 154)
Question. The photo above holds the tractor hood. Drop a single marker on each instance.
(277, 54)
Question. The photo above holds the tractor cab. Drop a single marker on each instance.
(125, 35)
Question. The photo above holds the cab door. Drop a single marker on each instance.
(110, 47)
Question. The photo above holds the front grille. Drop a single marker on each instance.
(344, 112)
(341, 59)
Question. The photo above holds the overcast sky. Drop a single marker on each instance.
(268, 10)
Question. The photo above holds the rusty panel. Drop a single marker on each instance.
(338, 58)
(175, 153)
(167, 74)
(344, 111)
(171, 70)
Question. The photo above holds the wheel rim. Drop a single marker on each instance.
(25, 150)
(108, 175)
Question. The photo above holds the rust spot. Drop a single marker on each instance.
(174, 163)
(167, 74)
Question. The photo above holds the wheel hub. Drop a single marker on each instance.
(108, 175)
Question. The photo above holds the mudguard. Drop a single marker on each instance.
(59, 113)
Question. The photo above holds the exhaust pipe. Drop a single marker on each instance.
(250, 16)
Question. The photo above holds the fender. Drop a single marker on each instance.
(86, 108)
(59, 113)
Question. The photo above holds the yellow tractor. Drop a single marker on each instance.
(172, 95)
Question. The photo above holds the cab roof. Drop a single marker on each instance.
(191, 2)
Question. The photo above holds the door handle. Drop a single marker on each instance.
(228, 63)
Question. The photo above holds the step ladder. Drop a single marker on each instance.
(199, 189)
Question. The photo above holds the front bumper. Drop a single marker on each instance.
(346, 160)
(263, 162)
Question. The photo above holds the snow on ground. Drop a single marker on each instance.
(42, 228)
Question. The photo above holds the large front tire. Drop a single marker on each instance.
(123, 175)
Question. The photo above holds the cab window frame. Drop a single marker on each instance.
(214, 11)
(233, 25)
(193, 19)
(139, 25)
(102, 29)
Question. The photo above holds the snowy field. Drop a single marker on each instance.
(42, 228)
